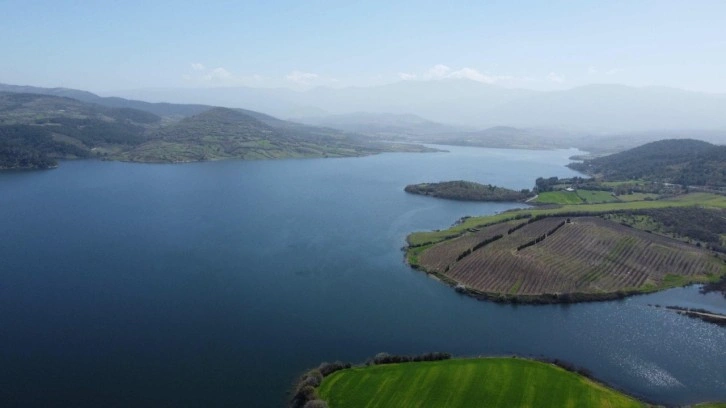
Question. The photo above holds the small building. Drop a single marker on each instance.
(569, 189)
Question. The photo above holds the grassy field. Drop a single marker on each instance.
(637, 196)
(575, 197)
(595, 197)
(558, 197)
(694, 199)
(485, 382)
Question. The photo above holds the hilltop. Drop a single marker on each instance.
(677, 161)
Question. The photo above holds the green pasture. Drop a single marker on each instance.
(558, 197)
(596, 196)
(482, 382)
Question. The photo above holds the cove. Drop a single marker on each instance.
(218, 283)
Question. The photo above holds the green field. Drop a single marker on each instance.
(637, 197)
(596, 196)
(694, 199)
(484, 382)
(558, 197)
(575, 197)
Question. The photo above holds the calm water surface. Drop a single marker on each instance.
(216, 284)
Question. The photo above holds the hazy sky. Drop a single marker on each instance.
(113, 45)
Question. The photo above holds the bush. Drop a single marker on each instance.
(316, 404)
(329, 368)
(303, 394)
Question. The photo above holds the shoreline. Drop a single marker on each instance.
(383, 359)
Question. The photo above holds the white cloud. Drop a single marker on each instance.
(218, 75)
(614, 71)
(441, 71)
(592, 71)
(301, 78)
(474, 75)
(556, 78)
(200, 74)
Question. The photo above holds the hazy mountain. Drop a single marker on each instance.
(397, 110)
(161, 109)
(593, 108)
(615, 108)
(383, 125)
(511, 137)
(447, 101)
(276, 102)
(553, 138)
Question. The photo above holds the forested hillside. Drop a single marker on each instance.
(36, 130)
(678, 161)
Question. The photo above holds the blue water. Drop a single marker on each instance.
(216, 284)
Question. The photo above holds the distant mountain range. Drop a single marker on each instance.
(589, 118)
(160, 109)
(384, 125)
(37, 129)
(593, 108)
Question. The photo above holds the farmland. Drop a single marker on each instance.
(575, 197)
(596, 196)
(694, 199)
(558, 197)
(492, 382)
(563, 259)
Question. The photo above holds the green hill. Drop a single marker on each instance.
(159, 108)
(221, 133)
(678, 161)
(36, 130)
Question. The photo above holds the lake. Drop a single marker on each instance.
(217, 284)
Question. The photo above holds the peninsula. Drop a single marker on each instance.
(598, 239)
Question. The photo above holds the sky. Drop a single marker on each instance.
(103, 46)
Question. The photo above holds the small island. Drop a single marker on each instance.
(468, 191)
